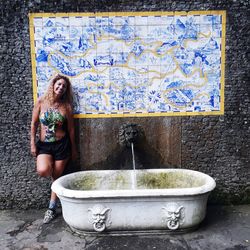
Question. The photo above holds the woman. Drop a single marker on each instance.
(57, 137)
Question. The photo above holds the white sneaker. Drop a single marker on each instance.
(49, 216)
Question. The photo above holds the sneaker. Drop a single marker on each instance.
(49, 216)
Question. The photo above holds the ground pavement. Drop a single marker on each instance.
(225, 227)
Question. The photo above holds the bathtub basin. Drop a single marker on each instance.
(166, 200)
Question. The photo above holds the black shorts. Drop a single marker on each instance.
(60, 149)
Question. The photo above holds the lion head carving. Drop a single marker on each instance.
(130, 133)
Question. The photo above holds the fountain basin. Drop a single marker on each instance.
(169, 200)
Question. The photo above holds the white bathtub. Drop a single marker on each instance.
(169, 200)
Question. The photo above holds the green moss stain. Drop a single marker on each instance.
(86, 182)
(167, 180)
(120, 182)
(145, 180)
(95, 182)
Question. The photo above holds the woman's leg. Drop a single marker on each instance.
(47, 167)
(57, 172)
(44, 165)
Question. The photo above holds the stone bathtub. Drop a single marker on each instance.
(164, 200)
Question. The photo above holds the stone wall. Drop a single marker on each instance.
(216, 145)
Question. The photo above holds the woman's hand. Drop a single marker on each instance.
(33, 150)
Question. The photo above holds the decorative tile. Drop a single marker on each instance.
(133, 64)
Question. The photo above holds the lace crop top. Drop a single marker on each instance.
(51, 119)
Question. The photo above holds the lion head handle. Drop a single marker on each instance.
(130, 133)
(100, 217)
(174, 215)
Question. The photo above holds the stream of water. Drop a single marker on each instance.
(134, 182)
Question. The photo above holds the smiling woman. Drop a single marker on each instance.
(56, 142)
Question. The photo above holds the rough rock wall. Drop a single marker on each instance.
(217, 145)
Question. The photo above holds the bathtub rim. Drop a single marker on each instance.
(61, 191)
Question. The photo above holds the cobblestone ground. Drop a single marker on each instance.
(225, 228)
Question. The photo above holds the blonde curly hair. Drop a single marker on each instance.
(67, 97)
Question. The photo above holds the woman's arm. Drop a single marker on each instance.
(71, 130)
(33, 129)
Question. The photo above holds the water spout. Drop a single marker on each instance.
(134, 181)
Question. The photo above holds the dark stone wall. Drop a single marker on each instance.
(216, 145)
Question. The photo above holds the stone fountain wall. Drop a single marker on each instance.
(216, 145)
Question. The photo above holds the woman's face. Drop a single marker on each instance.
(60, 87)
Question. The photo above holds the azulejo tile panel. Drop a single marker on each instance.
(133, 64)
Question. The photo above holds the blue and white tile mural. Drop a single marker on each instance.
(133, 64)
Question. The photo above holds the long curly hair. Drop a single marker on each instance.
(67, 97)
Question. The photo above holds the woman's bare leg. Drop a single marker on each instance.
(58, 168)
(44, 165)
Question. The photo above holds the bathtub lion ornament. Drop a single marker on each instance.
(100, 217)
(130, 133)
(174, 215)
